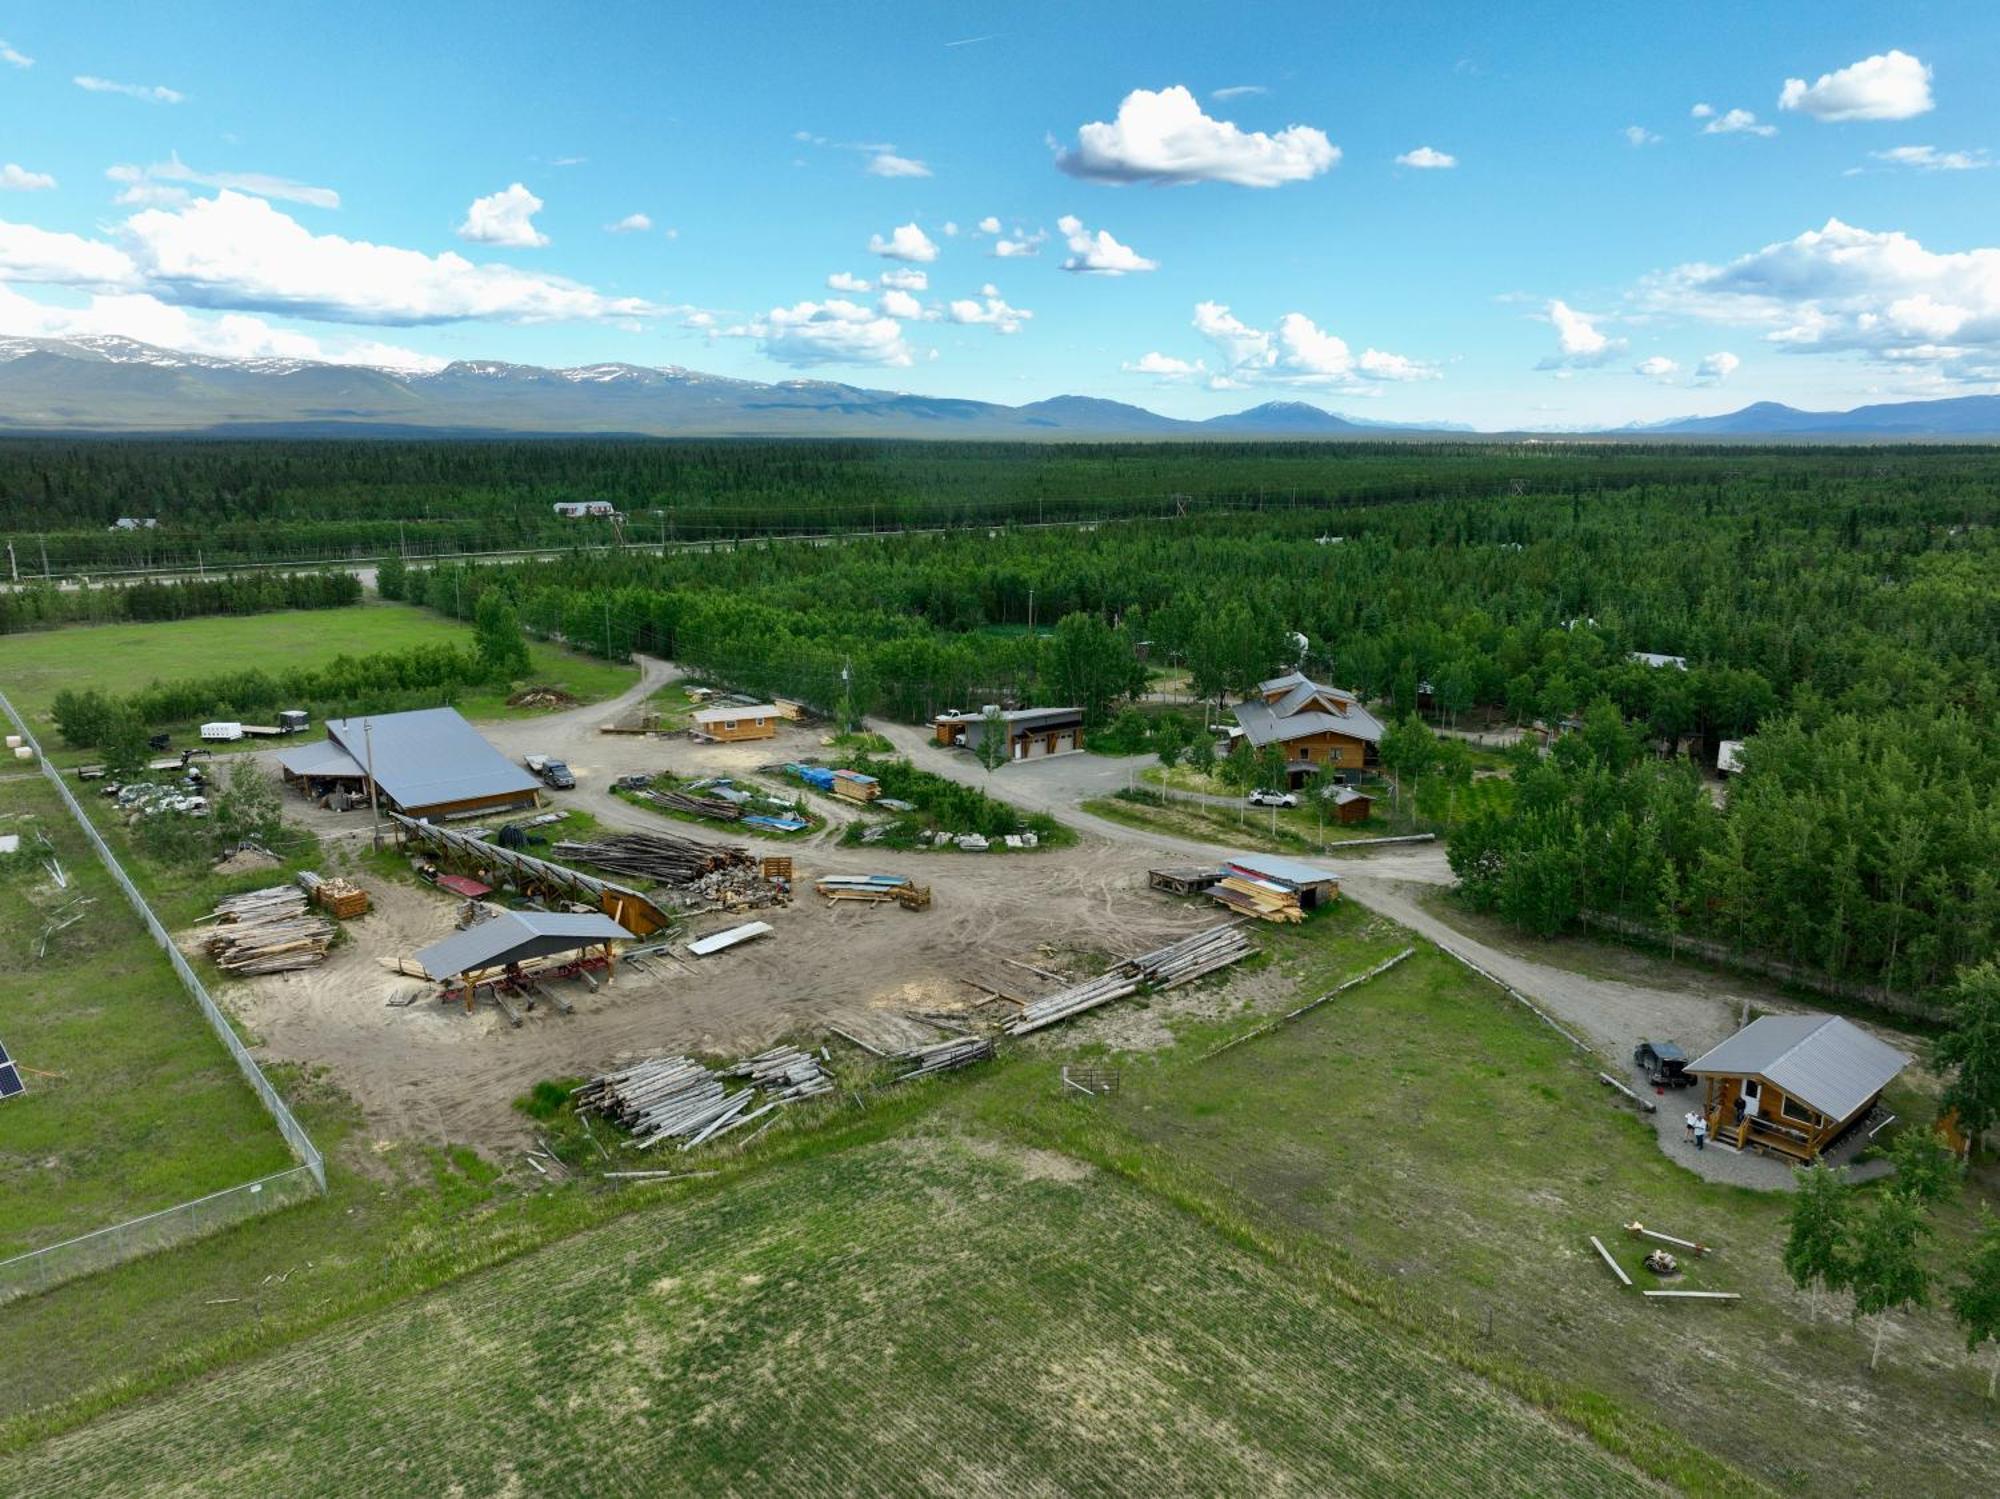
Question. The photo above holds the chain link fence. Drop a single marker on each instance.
(40, 1268)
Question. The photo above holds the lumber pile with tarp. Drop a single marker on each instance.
(344, 899)
(1164, 968)
(657, 856)
(1264, 899)
(266, 931)
(875, 888)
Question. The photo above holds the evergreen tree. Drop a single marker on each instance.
(501, 647)
(1969, 1050)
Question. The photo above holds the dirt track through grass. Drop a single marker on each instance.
(920, 1315)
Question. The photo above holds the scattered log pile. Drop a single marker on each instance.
(676, 1098)
(738, 889)
(946, 1055)
(342, 898)
(1165, 968)
(266, 931)
(656, 856)
(700, 806)
(1264, 899)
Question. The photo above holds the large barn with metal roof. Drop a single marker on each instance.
(426, 763)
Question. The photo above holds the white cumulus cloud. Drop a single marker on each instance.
(504, 218)
(632, 223)
(835, 331)
(1579, 344)
(18, 179)
(905, 242)
(1426, 158)
(990, 310)
(1658, 367)
(1730, 122)
(1717, 367)
(899, 304)
(1639, 135)
(1098, 254)
(989, 225)
(1165, 367)
(149, 93)
(1164, 136)
(1297, 352)
(906, 278)
(848, 282)
(136, 180)
(14, 57)
(1889, 86)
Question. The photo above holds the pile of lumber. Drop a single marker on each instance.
(1164, 968)
(785, 1073)
(343, 898)
(1264, 899)
(657, 856)
(700, 806)
(875, 888)
(266, 931)
(946, 1055)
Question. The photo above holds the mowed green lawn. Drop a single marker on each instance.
(924, 1315)
(147, 1109)
(35, 666)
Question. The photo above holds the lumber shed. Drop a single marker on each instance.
(631, 909)
(426, 763)
(510, 943)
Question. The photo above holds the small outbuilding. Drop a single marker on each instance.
(732, 724)
(507, 946)
(1729, 757)
(1351, 806)
(1032, 733)
(1793, 1084)
(1313, 885)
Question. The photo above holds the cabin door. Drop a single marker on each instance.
(1752, 1091)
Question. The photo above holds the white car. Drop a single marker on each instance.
(1273, 799)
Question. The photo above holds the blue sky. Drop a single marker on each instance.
(1529, 215)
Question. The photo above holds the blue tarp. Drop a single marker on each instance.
(812, 775)
(785, 824)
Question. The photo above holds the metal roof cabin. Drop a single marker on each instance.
(1316, 725)
(1802, 1080)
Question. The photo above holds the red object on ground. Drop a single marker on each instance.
(458, 884)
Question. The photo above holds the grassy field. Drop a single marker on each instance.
(123, 658)
(1280, 830)
(926, 1314)
(147, 1110)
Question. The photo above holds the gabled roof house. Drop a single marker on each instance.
(1800, 1081)
(1317, 726)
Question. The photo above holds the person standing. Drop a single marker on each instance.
(1687, 1120)
(1700, 1132)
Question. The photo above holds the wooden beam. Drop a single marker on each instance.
(1616, 1268)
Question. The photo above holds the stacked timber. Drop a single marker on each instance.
(875, 888)
(700, 806)
(785, 1073)
(266, 931)
(343, 898)
(657, 856)
(946, 1055)
(1164, 968)
(1264, 899)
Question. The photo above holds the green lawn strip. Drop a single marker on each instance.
(1461, 1155)
(148, 1110)
(1295, 831)
(918, 1314)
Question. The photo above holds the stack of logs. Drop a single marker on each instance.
(700, 806)
(944, 1056)
(1165, 968)
(266, 931)
(344, 899)
(656, 856)
(678, 1098)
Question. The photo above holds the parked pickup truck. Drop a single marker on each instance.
(552, 772)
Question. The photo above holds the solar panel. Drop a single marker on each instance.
(10, 1075)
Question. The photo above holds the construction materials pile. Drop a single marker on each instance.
(266, 931)
(899, 888)
(1267, 900)
(149, 799)
(737, 889)
(337, 895)
(946, 1055)
(657, 856)
(701, 806)
(676, 1098)
(1164, 968)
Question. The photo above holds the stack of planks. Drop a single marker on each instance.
(678, 1098)
(266, 931)
(1263, 899)
(344, 899)
(899, 888)
(658, 856)
(1164, 968)
(944, 1056)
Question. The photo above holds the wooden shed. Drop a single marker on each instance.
(1793, 1084)
(1351, 806)
(731, 724)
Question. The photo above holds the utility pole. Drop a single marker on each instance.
(45, 558)
(1031, 613)
(374, 806)
(607, 627)
(13, 566)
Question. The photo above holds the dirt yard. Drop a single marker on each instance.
(430, 1072)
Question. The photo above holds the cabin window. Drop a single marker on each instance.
(1791, 1108)
(729, 723)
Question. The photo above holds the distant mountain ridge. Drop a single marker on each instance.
(111, 384)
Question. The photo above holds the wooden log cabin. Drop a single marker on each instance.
(1793, 1085)
(1319, 728)
(731, 725)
